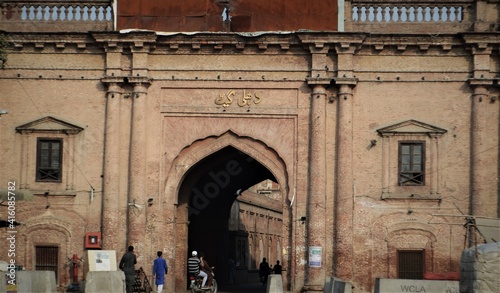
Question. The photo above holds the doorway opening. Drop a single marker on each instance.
(235, 214)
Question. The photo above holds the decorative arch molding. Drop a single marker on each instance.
(48, 224)
(200, 149)
(415, 239)
(174, 192)
(69, 218)
(386, 232)
(56, 233)
(415, 228)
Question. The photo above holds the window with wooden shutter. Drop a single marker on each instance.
(411, 264)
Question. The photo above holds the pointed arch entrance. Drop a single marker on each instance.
(206, 176)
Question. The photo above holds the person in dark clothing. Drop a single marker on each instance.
(127, 265)
(207, 269)
(277, 269)
(264, 271)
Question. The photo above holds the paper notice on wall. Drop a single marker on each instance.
(315, 253)
(102, 260)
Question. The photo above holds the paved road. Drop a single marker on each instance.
(254, 288)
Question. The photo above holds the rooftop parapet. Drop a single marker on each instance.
(56, 16)
(377, 16)
(413, 16)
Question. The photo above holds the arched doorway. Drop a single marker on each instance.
(215, 169)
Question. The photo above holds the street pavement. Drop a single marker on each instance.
(247, 288)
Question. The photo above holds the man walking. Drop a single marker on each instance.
(264, 271)
(127, 265)
(160, 269)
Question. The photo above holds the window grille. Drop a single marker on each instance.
(411, 265)
(47, 258)
(49, 160)
(411, 163)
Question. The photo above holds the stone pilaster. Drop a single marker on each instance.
(137, 169)
(316, 205)
(316, 200)
(481, 198)
(112, 219)
(344, 197)
(344, 193)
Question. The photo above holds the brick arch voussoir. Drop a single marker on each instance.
(200, 149)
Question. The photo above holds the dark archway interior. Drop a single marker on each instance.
(214, 184)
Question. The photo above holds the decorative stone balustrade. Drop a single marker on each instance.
(377, 16)
(410, 16)
(68, 15)
(411, 12)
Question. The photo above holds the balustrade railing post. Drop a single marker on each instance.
(390, 16)
(91, 15)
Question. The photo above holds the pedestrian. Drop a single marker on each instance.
(264, 270)
(277, 268)
(127, 265)
(160, 269)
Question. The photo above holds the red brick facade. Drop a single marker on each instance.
(160, 130)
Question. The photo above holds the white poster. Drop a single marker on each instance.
(315, 253)
(102, 260)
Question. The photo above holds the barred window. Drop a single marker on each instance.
(47, 258)
(411, 264)
(411, 163)
(49, 160)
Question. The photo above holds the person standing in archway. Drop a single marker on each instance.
(160, 269)
(277, 269)
(264, 271)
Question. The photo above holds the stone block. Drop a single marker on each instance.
(36, 281)
(334, 285)
(105, 282)
(274, 284)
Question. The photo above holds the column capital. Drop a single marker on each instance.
(140, 80)
(477, 82)
(349, 81)
(314, 81)
(109, 80)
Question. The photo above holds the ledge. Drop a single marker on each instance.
(414, 196)
(53, 193)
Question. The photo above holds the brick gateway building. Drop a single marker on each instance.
(373, 136)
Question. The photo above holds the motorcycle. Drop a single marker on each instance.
(196, 282)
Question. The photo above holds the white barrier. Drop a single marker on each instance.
(274, 284)
(105, 282)
(427, 286)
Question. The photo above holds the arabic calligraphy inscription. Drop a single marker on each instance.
(242, 100)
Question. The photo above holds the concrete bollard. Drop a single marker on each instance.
(31, 281)
(274, 284)
(105, 282)
(334, 285)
